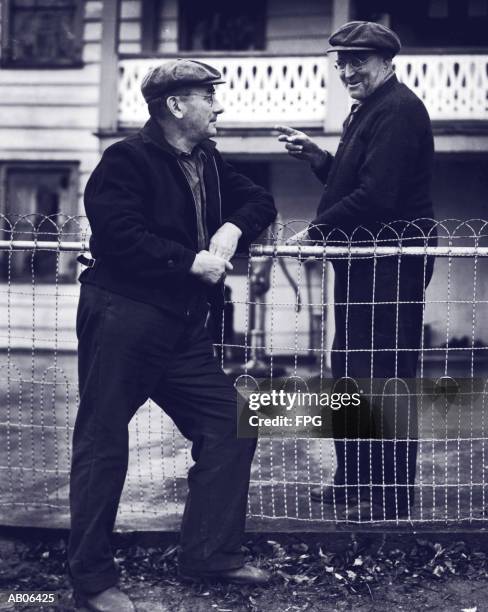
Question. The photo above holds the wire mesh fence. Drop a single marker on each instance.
(299, 316)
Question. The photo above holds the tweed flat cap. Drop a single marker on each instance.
(175, 74)
(364, 36)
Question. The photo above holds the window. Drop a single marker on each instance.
(220, 25)
(39, 33)
(431, 23)
(36, 199)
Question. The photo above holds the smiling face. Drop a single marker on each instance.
(362, 72)
(200, 112)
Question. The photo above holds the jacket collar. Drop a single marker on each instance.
(382, 90)
(152, 133)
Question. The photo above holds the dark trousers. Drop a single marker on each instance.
(128, 352)
(378, 321)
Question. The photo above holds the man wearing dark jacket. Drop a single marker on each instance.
(167, 214)
(380, 175)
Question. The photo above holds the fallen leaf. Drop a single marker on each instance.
(300, 578)
(438, 571)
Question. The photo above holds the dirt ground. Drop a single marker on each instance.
(311, 572)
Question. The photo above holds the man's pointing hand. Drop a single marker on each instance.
(300, 146)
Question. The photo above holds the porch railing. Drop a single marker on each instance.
(262, 91)
(452, 87)
(259, 90)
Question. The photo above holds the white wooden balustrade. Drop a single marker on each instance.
(452, 87)
(261, 91)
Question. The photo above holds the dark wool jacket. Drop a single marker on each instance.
(382, 169)
(143, 220)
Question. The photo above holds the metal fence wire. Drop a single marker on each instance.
(276, 330)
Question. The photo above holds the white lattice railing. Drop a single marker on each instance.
(453, 87)
(262, 91)
(258, 90)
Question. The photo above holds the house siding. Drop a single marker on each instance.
(52, 115)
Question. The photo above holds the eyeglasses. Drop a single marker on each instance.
(355, 62)
(210, 98)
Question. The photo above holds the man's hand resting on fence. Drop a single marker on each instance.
(210, 268)
(224, 242)
(300, 146)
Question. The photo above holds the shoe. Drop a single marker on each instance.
(109, 600)
(247, 574)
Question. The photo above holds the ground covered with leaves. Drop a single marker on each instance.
(311, 572)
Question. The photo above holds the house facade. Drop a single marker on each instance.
(69, 85)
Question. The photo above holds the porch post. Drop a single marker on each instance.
(336, 111)
(107, 118)
(337, 98)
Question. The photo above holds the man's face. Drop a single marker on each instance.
(201, 112)
(361, 72)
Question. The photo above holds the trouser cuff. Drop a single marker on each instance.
(91, 584)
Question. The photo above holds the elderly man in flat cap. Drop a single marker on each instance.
(167, 214)
(380, 174)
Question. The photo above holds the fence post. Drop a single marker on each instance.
(259, 285)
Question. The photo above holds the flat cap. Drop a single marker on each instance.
(364, 36)
(177, 73)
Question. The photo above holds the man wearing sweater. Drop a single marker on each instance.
(167, 214)
(380, 174)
